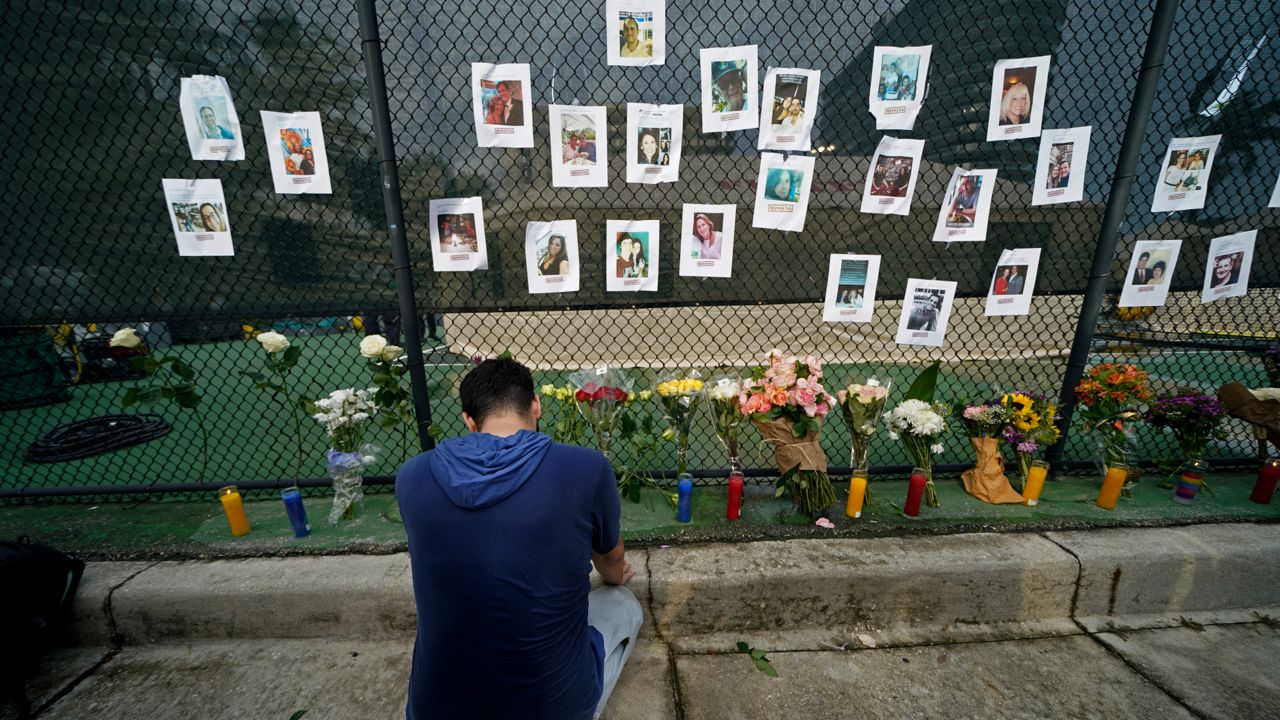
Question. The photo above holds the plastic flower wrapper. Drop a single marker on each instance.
(722, 393)
(787, 402)
(344, 413)
(1194, 417)
(1109, 396)
(1031, 428)
(680, 393)
(919, 425)
(861, 405)
(601, 393)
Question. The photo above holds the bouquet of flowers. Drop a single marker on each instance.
(1109, 395)
(986, 479)
(680, 394)
(1194, 418)
(722, 392)
(919, 425)
(344, 414)
(601, 393)
(561, 408)
(860, 406)
(786, 402)
(1031, 426)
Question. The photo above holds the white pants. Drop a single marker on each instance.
(615, 613)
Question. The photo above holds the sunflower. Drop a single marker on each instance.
(1018, 402)
(1026, 421)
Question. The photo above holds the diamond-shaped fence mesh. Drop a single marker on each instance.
(93, 126)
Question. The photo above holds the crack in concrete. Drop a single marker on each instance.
(117, 641)
(66, 689)
(676, 694)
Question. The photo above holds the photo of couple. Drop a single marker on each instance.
(1226, 269)
(891, 176)
(299, 157)
(199, 217)
(577, 140)
(1010, 280)
(898, 76)
(783, 185)
(1150, 269)
(503, 102)
(633, 255)
(789, 93)
(1016, 97)
(729, 86)
(852, 284)
(1058, 168)
(653, 146)
(926, 310)
(963, 206)
(457, 233)
(1185, 170)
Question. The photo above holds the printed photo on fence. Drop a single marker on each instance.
(1150, 270)
(1184, 175)
(579, 146)
(706, 240)
(501, 104)
(789, 106)
(653, 142)
(1013, 283)
(1017, 98)
(295, 151)
(198, 212)
(892, 177)
(636, 31)
(729, 88)
(1060, 166)
(1275, 195)
(966, 206)
(457, 235)
(631, 252)
(1227, 272)
(209, 118)
(551, 256)
(898, 79)
(782, 192)
(851, 288)
(926, 306)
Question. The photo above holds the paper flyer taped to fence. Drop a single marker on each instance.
(631, 255)
(892, 179)
(209, 118)
(551, 256)
(788, 109)
(198, 212)
(1226, 274)
(899, 77)
(782, 192)
(1275, 195)
(636, 31)
(579, 146)
(654, 136)
(966, 207)
(457, 235)
(1150, 271)
(926, 307)
(1018, 89)
(730, 94)
(1060, 167)
(1184, 176)
(1014, 282)
(502, 102)
(295, 150)
(706, 240)
(851, 288)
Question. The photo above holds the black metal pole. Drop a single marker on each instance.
(394, 205)
(1117, 204)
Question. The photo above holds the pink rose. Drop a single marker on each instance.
(806, 397)
(842, 396)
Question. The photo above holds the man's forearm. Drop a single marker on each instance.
(611, 568)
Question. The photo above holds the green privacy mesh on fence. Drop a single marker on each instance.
(92, 114)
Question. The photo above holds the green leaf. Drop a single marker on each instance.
(435, 432)
(254, 375)
(130, 397)
(183, 370)
(758, 654)
(144, 363)
(925, 384)
(187, 397)
(743, 647)
(782, 490)
(381, 378)
(506, 355)
(633, 492)
(297, 715)
(289, 358)
(765, 667)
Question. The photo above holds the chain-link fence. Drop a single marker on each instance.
(92, 113)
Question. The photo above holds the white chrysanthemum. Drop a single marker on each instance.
(936, 448)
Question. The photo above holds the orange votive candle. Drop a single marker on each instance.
(233, 506)
(1032, 488)
(857, 493)
(1112, 484)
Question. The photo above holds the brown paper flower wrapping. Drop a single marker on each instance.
(790, 451)
(986, 479)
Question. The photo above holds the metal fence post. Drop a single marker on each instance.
(1117, 205)
(372, 47)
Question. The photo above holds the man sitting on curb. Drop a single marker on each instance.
(501, 524)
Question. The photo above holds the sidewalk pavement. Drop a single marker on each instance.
(1143, 623)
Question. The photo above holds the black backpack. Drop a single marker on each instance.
(37, 585)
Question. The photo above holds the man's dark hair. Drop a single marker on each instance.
(1144, 256)
(494, 386)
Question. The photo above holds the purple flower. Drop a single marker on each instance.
(1026, 447)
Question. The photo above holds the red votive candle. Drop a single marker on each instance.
(915, 491)
(734, 510)
(1268, 475)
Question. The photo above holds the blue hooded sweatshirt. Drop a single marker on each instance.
(501, 532)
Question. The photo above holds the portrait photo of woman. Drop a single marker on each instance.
(211, 218)
(783, 185)
(708, 241)
(555, 259)
(649, 144)
(1015, 103)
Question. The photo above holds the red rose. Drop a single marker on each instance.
(582, 396)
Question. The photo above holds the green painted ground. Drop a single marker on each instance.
(158, 530)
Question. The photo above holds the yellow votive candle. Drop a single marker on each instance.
(1112, 484)
(233, 506)
(857, 493)
(1035, 482)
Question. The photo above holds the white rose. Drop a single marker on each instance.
(125, 337)
(273, 342)
(372, 346)
(391, 352)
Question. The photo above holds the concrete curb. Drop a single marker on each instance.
(800, 594)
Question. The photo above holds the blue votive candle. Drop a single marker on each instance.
(684, 505)
(292, 498)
